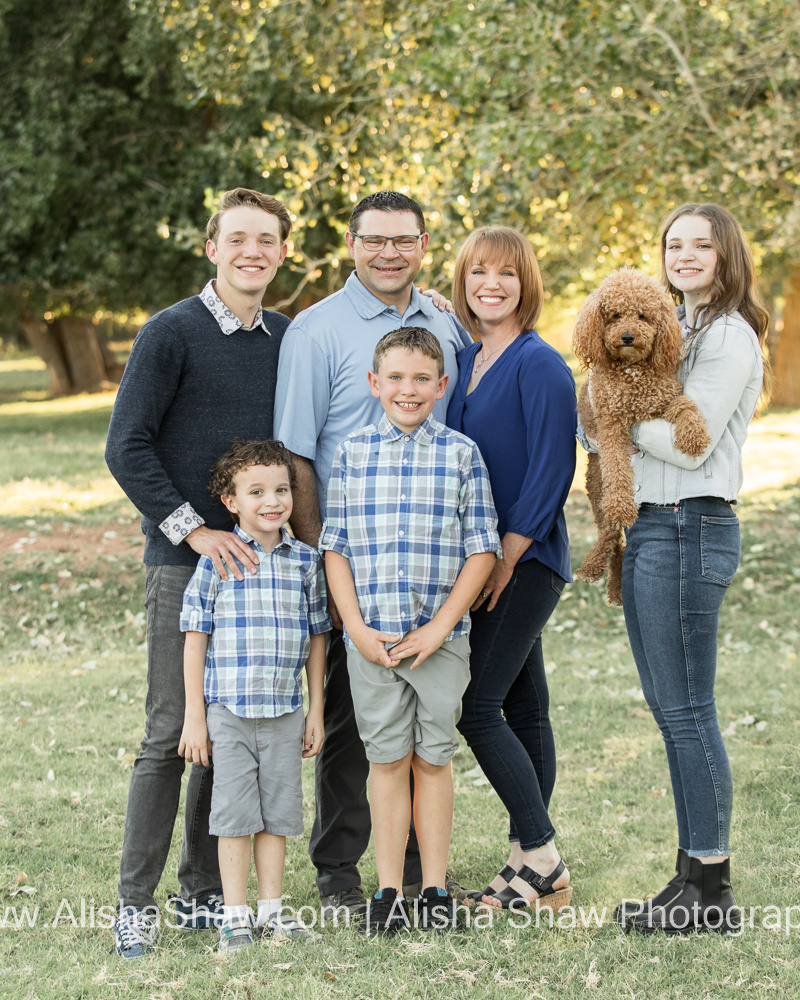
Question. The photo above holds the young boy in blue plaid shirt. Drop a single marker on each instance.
(410, 537)
(262, 630)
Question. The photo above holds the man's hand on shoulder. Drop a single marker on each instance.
(442, 303)
(223, 548)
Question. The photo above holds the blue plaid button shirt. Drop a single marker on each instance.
(407, 510)
(259, 627)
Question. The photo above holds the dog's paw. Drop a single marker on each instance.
(690, 438)
(622, 513)
(590, 573)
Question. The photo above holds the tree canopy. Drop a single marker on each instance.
(580, 122)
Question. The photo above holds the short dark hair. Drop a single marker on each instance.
(410, 338)
(243, 454)
(238, 197)
(386, 201)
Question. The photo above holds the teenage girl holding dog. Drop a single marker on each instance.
(515, 398)
(683, 550)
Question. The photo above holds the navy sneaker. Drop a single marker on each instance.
(135, 933)
(201, 914)
(387, 914)
(436, 910)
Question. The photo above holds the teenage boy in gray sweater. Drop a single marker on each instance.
(201, 374)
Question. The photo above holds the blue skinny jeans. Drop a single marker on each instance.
(679, 562)
(504, 716)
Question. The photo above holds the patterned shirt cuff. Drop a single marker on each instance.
(180, 522)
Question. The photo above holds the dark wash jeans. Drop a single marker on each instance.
(505, 708)
(155, 786)
(678, 563)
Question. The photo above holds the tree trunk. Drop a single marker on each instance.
(72, 349)
(786, 363)
(44, 341)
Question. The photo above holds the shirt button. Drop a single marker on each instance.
(400, 573)
(402, 496)
(637, 487)
(405, 461)
(401, 533)
(405, 439)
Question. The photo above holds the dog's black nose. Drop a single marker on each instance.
(627, 338)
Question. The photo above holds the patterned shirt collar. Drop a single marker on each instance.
(421, 435)
(286, 538)
(228, 322)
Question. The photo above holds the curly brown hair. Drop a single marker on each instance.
(243, 454)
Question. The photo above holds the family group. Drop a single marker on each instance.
(422, 456)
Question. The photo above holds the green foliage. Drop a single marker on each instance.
(581, 123)
(99, 148)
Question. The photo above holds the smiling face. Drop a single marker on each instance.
(262, 500)
(408, 384)
(690, 259)
(388, 273)
(247, 253)
(493, 292)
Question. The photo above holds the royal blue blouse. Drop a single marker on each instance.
(522, 417)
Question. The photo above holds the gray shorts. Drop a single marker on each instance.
(399, 709)
(257, 774)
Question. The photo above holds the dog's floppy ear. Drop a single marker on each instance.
(668, 345)
(587, 339)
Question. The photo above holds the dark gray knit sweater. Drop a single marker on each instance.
(188, 392)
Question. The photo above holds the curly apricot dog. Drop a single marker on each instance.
(629, 337)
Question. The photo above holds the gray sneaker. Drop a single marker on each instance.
(236, 934)
(347, 901)
(286, 925)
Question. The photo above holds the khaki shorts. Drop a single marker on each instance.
(257, 774)
(399, 709)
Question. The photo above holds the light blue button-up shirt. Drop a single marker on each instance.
(323, 393)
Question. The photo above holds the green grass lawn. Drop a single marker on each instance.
(72, 689)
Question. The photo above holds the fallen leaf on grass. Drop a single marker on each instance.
(284, 966)
(20, 888)
(330, 975)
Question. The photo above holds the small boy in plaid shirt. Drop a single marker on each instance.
(410, 537)
(263, 629)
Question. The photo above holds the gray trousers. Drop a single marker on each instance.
(155, 787)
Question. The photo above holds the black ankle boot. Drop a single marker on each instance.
(704, 903)
(631, 908)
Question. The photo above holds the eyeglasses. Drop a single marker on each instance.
(402, 243)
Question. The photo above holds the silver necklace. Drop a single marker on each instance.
(479, 364)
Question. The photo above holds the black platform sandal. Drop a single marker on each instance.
(548, 898)
(506, 872)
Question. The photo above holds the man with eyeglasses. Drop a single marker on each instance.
(322, 396)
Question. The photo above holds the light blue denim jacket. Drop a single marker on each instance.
(723, 372)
